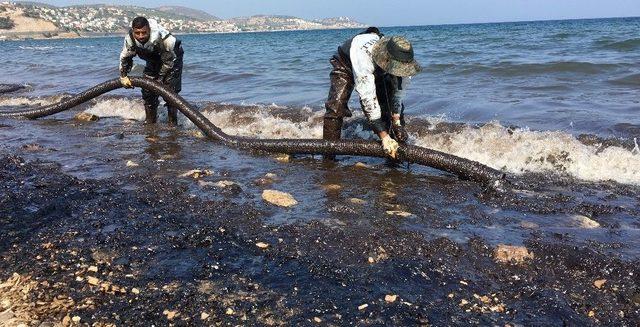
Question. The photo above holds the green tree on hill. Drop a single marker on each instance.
(6, 23)
(30, 13)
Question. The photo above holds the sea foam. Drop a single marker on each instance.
(516, 151)
(521, 151)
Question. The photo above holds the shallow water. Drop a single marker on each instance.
(439, 205)
(577, 76)
(553, 80)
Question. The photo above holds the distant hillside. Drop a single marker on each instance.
(188, 12)
(277, 23)
(16, 23)
(338, 21)
(35, 3)
(109, 19)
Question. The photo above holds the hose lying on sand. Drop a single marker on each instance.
(464, 168)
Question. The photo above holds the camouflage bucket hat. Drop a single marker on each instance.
(395, 56)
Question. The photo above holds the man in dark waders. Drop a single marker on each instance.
(379, 68)
(163, 54)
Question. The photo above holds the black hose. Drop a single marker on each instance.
(461, 167)
(8, 88)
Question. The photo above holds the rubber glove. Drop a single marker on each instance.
(390, 146)
(126, 82)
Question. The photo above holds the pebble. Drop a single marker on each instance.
(585, 222)
(262, 245)
(85, 116)
(132, 164)
(204, 316)
(599, 283)
(512, 254)
(135, 291)
(399, 213)
(76, 319)
(278, 198)
(357, 201)
(390, 298)
(332, 187)
(497, 308)
(170, 314)
(317, 319)
(363, 306)
(93, 281)
(484, 299)
(198, 134)
(230, 311)
(268, 178)
(224, 184)
(197, 173)
(283, 158)
(93, 269)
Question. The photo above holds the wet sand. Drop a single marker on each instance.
(87, 236)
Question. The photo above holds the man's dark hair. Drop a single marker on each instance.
(139, 22)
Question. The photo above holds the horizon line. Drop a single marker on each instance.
(386, 26)
(508, 21)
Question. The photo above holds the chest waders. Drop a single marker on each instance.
(173, 80)
(342, 85)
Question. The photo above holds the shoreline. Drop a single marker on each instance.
(156, 248)
(115, 223)
(42, 35)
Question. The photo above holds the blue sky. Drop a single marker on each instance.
(405, 12)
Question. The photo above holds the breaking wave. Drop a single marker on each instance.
(27, 101)
(123, 107)
(265, 122)
(516, 151)
(522, 151)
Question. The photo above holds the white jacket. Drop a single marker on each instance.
(161, 46)
(363, 66)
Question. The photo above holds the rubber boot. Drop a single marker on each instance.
(172, 116)
(331, 131)
(151, 114)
